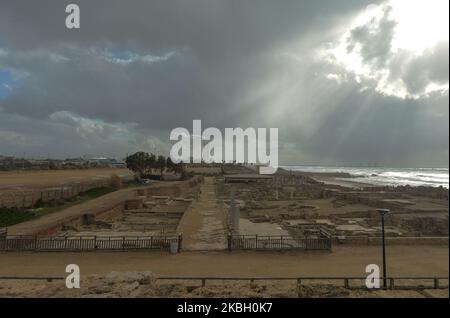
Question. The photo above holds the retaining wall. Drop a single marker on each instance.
(101, 208)
(28, 198)
(367, 240)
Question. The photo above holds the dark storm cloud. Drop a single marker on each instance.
(374, 38)
(432, 66)
(214, 28)
(137, 69)
(338, 122)
(367, 128)
(373, 41)
(219, 49)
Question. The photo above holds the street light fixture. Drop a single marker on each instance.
(383, 212)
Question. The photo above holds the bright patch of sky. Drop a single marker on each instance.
(7, 83)
(89, 128)
(396, 30)
(421, 24)
(125, 57)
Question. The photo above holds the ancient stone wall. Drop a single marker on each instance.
(171, 189)
(102, 214)
(28, 198)
(367, 240)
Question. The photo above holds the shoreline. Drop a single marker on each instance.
(346, 179)
(343, 183)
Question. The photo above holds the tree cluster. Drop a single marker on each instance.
(145, 164)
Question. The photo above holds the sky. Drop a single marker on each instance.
(345, 82)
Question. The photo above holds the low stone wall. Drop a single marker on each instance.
(28, 198)
(205, 171)
(367, 240)
(102, 214)
(109, 214)
(171, 189)
(101, 210)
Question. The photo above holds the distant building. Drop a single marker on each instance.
(118, 165)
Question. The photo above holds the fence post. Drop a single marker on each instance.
(346, 283)
(299, 282)
(180, 240)
(436, 283)
(229, 242)
(391, 284)
(256, 243)
(203, 282)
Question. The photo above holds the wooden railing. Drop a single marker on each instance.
(89, 243)
(271, 242)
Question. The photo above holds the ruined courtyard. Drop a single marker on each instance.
(227, 214)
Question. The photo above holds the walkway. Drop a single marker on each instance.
(204, 223)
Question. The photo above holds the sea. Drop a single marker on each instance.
(433, 177)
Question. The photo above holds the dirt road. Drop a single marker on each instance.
(401, 260)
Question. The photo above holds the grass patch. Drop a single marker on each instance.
(10, 217)
(95, 193)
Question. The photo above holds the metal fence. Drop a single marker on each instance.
(270, 242)
(89, 243)
(348, 282)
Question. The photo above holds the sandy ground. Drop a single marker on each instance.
(247, 227)
(132, 274)
(420, 260)
(32, 179)
(146, 284)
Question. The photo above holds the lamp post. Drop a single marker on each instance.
(383, 212)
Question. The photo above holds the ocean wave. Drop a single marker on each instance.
(433, 177)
